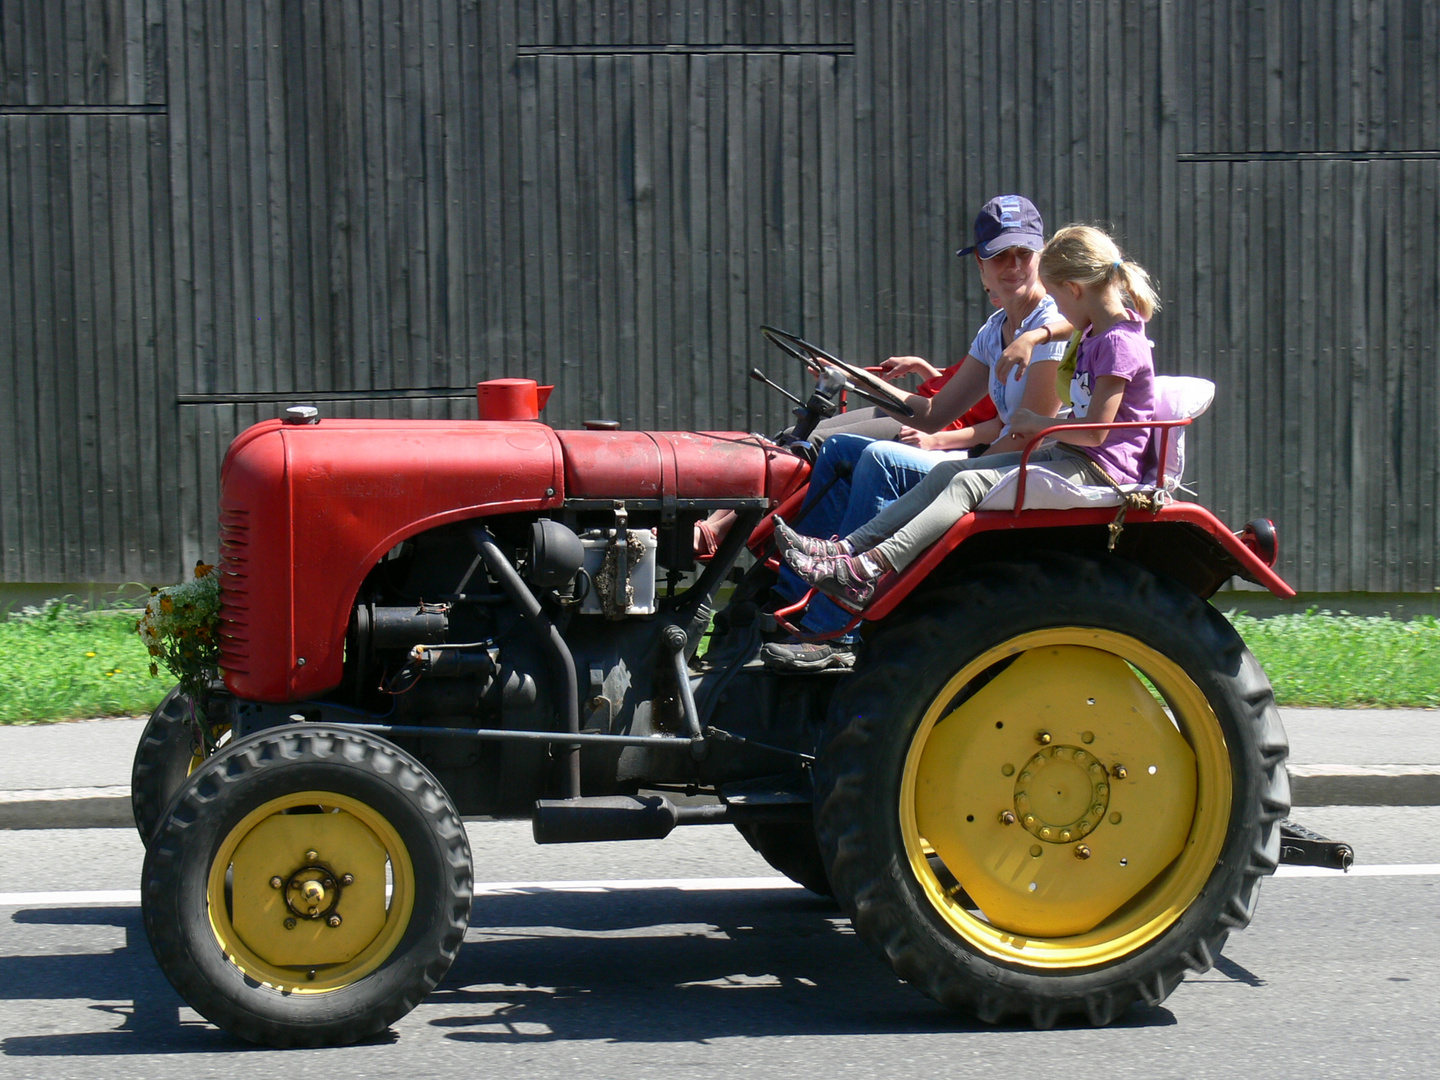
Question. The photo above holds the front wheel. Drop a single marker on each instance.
(176, 741)
(308, 887)
(1053, 790)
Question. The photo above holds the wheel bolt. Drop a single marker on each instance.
(347, 879)
(1007, 817)
(1119, 772)
(311, 856)
(334, 920)
(1081, 851)
(289, 924)
(310, 974)
(275, 883)
(1043, 738)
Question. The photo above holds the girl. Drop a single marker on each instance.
(1090, 279)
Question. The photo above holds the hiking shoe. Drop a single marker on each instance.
(807, 655)
(787, 539)
(837, 576)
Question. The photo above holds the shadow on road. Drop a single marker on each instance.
(644, 966)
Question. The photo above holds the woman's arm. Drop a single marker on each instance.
(1039, 399)
(966, 388)
(952, 439)
(1017, 353)
(1104, 405)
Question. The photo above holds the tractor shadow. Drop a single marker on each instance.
(643, 966)
(664, 965)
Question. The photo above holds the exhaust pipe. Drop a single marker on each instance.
(645, 817)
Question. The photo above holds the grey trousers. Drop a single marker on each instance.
(952, 489)
(871, 422)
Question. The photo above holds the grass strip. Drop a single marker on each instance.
(1342, 661)
(60, 662)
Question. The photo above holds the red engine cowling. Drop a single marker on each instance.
(307, 510)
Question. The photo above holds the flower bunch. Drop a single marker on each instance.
(180, 627)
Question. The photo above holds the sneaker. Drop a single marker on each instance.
(836, 576)
(787, 539)
(807, 655)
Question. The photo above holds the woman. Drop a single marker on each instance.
(855, 478)
(1109, 299)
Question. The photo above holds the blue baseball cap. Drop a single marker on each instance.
(1007, 221)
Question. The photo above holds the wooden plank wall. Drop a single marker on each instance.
(88, 442)
(371, 205)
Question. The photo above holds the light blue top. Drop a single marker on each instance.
(988, 346)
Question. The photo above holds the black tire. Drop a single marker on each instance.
(792, 848)
(1010, 642)
(222, 938)
(163, 759)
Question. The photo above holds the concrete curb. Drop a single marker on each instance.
(1310, 785)
(1364, 785)
(67, 808)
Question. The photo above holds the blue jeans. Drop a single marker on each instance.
(880, 472)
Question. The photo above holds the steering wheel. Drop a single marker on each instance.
(858, 381)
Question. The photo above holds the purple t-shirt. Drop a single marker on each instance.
(1122, 350)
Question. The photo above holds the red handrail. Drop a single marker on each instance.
(1163, 425)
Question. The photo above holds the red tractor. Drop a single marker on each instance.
(1052, 783)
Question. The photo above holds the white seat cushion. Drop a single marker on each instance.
(1045, 490)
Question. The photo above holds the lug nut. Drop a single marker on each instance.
(347, 879)
(1043, 738)
(334, 920)
(1081, 851)
(290, 924)
(275, 883)
(311, 856)
(1007, 817)
(1119, 772)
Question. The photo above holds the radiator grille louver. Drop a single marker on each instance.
(235, 591)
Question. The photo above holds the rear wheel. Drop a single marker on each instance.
(308, 887)
(1054, 789)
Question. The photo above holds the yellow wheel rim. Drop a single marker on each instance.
(218, 736)
(1059, 816)
(311, 892)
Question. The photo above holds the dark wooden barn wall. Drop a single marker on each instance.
(213, 210)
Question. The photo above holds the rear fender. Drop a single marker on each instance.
(1183, 540)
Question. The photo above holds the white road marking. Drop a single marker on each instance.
(1398, 870)
(513, 888)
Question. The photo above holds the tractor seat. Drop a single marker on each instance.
(1177, 397)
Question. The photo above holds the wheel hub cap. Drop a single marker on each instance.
(1062, 794)
(312, 892)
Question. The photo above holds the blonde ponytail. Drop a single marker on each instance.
(1134, 282)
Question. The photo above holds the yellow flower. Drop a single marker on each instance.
(90, 655)
(167, 605)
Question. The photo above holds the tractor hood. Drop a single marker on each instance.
(306, 510)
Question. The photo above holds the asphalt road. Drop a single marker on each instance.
(1337, 977)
